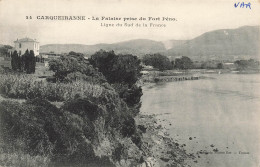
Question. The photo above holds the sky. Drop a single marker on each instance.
(194, 17)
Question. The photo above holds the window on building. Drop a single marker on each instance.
(20, 45)
(20, 52)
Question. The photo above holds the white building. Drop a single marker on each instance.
(21, 45)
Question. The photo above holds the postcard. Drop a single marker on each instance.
(123, 83)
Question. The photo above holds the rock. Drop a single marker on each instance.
(142, 128)
(215, 150)
(165, 159)
(151, 162)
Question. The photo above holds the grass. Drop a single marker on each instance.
(28, 87)
(23, 160)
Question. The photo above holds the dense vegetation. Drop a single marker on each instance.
(158, 61)
(73, 67)
(4, 50)
(122, 72)
(27, 87)
(24, 63)
(183, 63)
(73, 133)
(93, 123)
(250, 64)
(117, 68)
(162, 63)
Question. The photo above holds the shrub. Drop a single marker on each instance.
(23, 129)
(156, 79)
(1, 70)
(38, 128)
(122, 71)
(74, 67)
(129, 127)
(108, 106)
(119, 152)
(73, 132)
(130, 95)
(84, 107)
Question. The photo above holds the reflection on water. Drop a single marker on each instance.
(211, 114)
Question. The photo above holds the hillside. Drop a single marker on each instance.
(225, 44)
(173, 43)
(221, 44)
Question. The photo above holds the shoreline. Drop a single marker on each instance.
(160, 149)
(189, 124)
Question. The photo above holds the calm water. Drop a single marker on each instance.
(223, 110)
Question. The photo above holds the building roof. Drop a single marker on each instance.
(25, 40)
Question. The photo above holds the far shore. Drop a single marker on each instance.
(155, 76)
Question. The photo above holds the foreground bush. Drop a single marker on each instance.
(73, 133)
(130, 95)
(23, 127)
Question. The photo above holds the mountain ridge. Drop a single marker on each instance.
(242, 42)
(137, 46)
(220, 44)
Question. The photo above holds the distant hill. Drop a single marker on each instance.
(229, 44)
(173, 43)
(65, 48)
(136, 47)
(225, 44)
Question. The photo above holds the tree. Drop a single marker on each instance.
(32, 62)
(183, 63)
(103, 61)
(250, 64)
(26, 60)
(117, 68)
(4, 50)
(157, 61)
(25, 63)
(19, 64)
(219, 66)
(15, 61)
(74, 67)
(122, 71)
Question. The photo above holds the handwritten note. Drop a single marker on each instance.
(242, 5)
